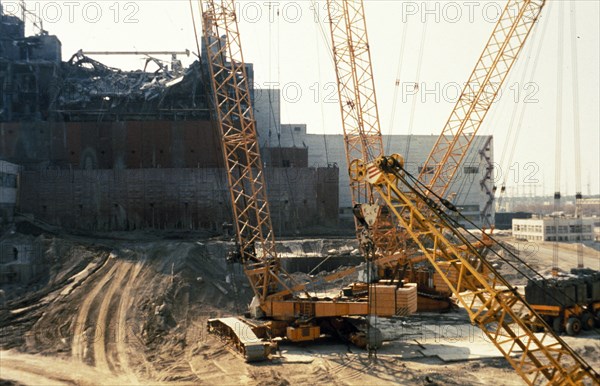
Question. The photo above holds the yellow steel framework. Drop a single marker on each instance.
(232, 107)
(233, 113)
(494, 64)
(358, 103)
(492, 303)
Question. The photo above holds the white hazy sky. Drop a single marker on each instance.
(289, 48)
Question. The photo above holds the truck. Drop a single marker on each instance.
(570, 302)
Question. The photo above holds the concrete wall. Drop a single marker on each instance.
(285, 157)
(131, 199)
(111, 145)
(324, 150)
(267, 113)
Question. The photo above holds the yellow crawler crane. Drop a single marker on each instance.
(362, 133)
(232, 111)
(289, 310)
(493, 304)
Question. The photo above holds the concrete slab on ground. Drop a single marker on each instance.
(461, 351)
(401, 350)
(476, 347)
(294, 358)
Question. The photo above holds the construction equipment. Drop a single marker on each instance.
(492, 303)
(420, 211)
(569, 302)
(298, 318)
(291, 312)
(363, 140)
(362, 134)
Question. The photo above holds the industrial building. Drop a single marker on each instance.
(553, 229)
(102, 149)
(471, 189)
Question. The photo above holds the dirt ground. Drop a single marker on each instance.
(133, 312)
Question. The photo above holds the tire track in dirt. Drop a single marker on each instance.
(126, 301)
(102, 337)
(27, 369)
(29, 378)
(79, 344)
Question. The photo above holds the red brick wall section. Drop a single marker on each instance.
(109, 145)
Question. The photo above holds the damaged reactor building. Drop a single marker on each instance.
(102, 149)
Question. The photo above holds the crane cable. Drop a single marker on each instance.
(397, 86)
(576, 130)
(321, 103)
(559, 108)
(514, 130)
(420, 188)
(195, 29)
(513, 145)
(296, 222)
(414, 101)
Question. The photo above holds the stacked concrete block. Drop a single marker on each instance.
(388, 300)
(383, 300)
(406, 299)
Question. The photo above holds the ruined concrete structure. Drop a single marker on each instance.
(106, 149)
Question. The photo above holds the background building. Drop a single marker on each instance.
(553, 229)
(472, 186)
(106, 149)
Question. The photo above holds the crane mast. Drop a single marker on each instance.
(492, 303)
(232, 108)
(358, 104)
(356, 88)
(480, 91)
